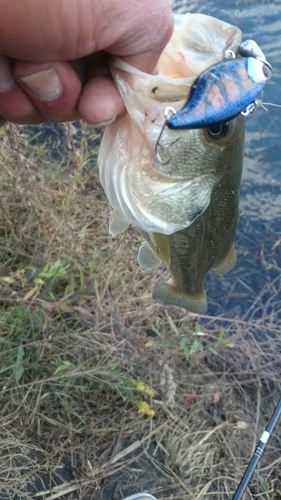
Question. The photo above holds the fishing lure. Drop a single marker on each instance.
(224, 90)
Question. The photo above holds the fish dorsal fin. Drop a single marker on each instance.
(166, 293)
(147, 258)
(116, 223)
(161, 243)
(227, 263)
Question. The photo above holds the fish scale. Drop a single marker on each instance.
(208, 242)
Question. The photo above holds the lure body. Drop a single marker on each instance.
(222, 92)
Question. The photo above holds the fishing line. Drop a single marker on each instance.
(258, 103)
(270, 104)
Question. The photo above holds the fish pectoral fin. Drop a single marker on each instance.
(227, 263)
(161, 242)
(116, 223)
(166, 293)
(147, 258)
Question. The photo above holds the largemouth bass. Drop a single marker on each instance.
(185, 206)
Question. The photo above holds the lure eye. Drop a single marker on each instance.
(266, 71)
(218, 131)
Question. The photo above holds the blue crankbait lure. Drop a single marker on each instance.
(224, 90)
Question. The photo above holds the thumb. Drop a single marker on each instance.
(145, 31)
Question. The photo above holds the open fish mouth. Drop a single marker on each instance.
(142, 191)
(198, 41)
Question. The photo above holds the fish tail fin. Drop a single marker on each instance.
(166, 293)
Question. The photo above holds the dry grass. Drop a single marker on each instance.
(86, 355)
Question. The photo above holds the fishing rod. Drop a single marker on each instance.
(252, 464)
(258, 453)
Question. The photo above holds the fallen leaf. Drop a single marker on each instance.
(84, 312)
(241, 425)
(7, 279)
(31, 292)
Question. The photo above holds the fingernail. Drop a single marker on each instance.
(45, 85)
(107, 122)
(7, 81)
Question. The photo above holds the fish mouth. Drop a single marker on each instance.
(198, 41)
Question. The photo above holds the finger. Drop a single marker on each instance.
(56, 30)
(18, 104)
(54, 89)
(146, 34)
(60, 30)
(100, 101)
(15, 106)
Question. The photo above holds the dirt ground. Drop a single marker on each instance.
(105, 393)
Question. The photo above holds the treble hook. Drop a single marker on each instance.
(253, 106)
(250, 109)
(229, 54)
(168, 112)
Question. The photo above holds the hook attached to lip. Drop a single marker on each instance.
(168, 113)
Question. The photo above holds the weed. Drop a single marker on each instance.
(99, 383)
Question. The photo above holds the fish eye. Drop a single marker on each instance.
(218, 131)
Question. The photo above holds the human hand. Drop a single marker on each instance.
(54, 55)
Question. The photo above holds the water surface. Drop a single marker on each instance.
(253, 287)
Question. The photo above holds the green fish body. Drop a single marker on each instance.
(207, 243)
